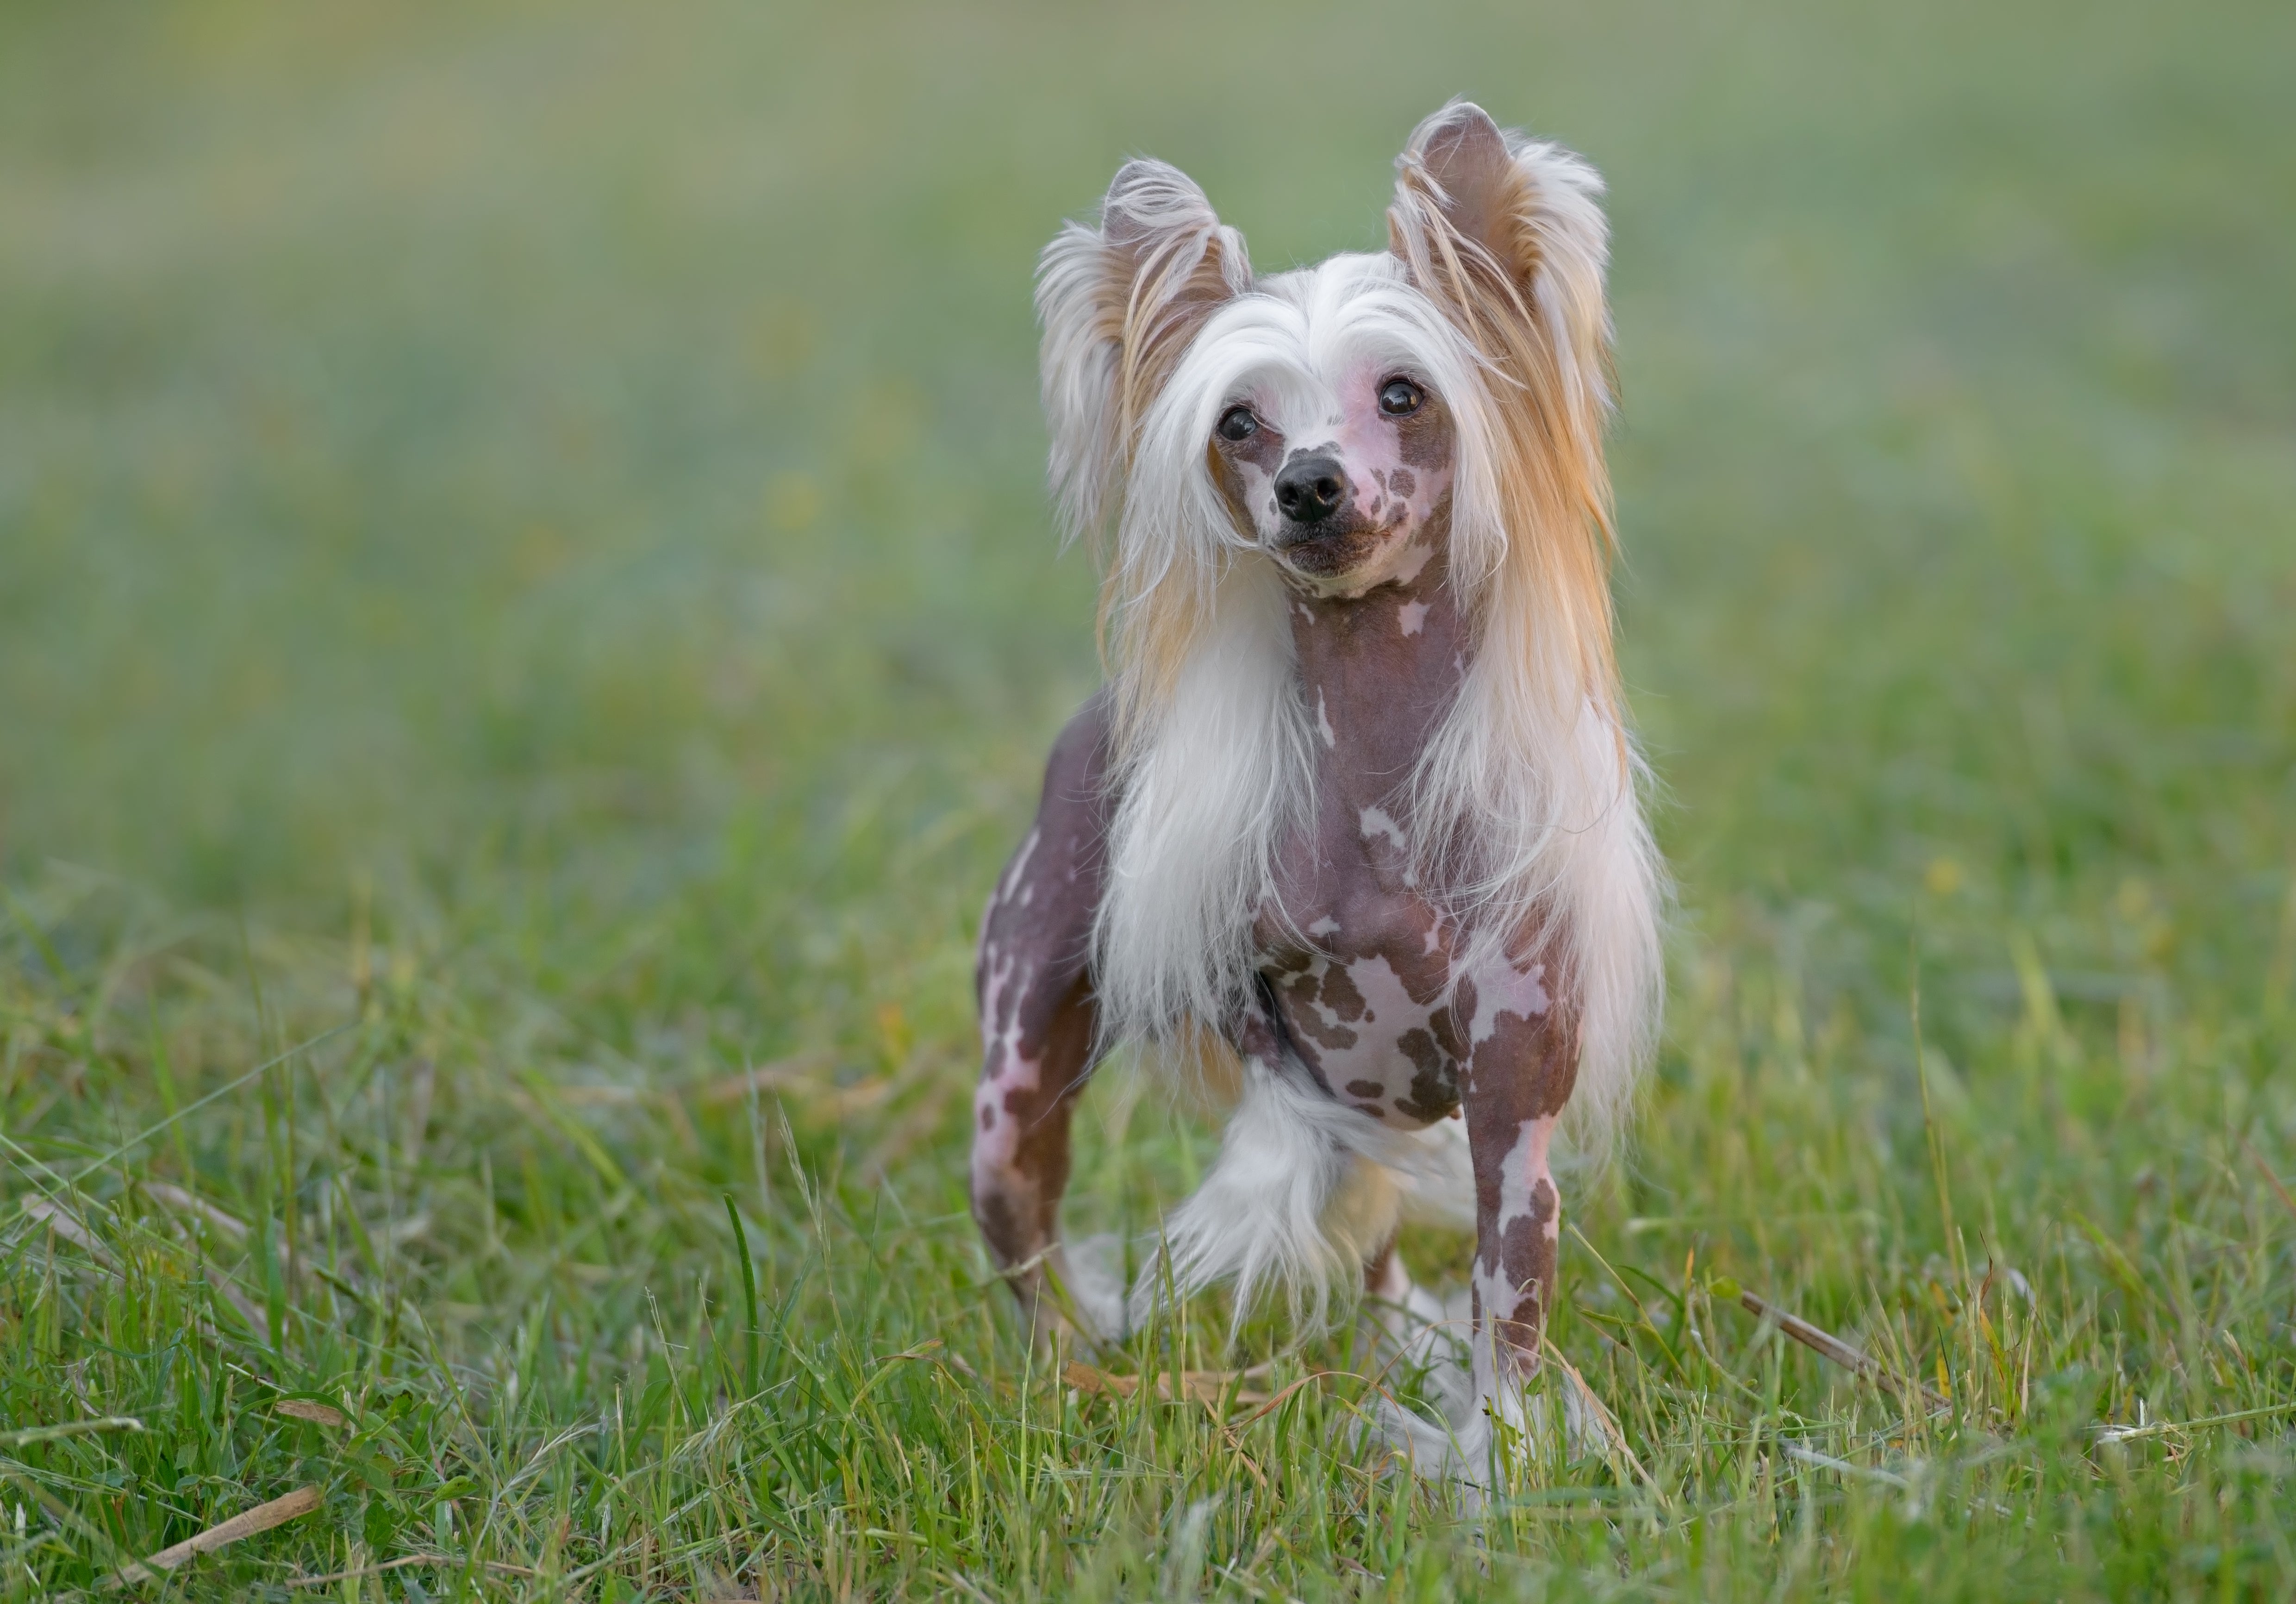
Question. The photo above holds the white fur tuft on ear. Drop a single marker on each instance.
(1492, 222)
(1119, 303)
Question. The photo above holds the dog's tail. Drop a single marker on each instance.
(1305, 1190)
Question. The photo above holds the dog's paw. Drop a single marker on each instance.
(1091, 1271)
(1486, 1444)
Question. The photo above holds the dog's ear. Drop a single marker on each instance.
(1120, 302)
(1507, 235)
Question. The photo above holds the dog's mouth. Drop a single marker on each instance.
(1328, 548)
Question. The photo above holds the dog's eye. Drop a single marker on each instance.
(1237, 423)
(1400, 397)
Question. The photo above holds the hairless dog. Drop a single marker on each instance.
(1353, 825)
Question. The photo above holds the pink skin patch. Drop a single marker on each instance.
(1395, 483)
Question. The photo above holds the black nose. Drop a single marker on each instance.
(1310, 489)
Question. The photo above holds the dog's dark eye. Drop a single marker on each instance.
(1400, 397)
(1237, 423)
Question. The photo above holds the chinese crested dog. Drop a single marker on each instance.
(1352, 833)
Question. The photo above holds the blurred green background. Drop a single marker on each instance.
(432, 436)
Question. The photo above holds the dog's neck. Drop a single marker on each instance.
(1379, 670)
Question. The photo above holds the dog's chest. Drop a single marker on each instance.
(1358, 963)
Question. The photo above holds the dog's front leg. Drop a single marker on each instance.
(1040, 1021)
(1520, 1069)
(1031, 1073)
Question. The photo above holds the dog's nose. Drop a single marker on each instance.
(1310, 489)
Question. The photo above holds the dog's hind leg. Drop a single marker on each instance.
(1039, 1017)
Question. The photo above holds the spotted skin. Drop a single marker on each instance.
(1038, 1019)
(1363, 975)
(1362, 988)
(1398, 472)
(1522, 1066)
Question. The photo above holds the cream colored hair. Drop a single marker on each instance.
(1525, 802)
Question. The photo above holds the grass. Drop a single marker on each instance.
(527, 624)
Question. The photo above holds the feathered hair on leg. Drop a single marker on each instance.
(1529, 790)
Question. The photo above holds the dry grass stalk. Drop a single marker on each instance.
(187, 1202)
(1826, 1345)
(66, 1226)
(262, 1518)
(304, 1409)
(1208, 1388)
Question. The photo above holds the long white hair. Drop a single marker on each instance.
(1525, 802)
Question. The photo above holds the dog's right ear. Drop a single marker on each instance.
(1506, 234)
(1120, 303)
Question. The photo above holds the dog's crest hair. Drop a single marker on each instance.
(1526, 797)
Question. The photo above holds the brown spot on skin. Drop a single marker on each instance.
(1366, 1088)
(1402, 483)
(1434, 1080)
(1374, 1109)
(1525, 1259)
(987, 1117)
(1427, 439)
(1516, 1042)
(1526, 1254)
(1286, 963)
(1259, 1036)
(1307, 1022)
(1341, 995)
(1444, 1025)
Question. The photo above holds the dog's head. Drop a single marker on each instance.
(1333, 455)
(1344, 421)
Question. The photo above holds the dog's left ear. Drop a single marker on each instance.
(1507, 235)
(1120, 304)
